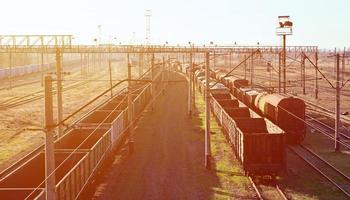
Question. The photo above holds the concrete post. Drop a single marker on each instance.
(207, 115)
(49, 141)
(337, 106)
(59, 91)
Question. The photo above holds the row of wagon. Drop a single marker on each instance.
(25, 70)
(285, 111)
(258, 143)
(82, 151)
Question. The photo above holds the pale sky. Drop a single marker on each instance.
(316, 22)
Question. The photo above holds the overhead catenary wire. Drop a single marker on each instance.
(325, 78)
(307, 123)
(327, 126)
(228, 74)
(77, 148)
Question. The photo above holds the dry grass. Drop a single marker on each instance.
(233, 183)
(16, 141)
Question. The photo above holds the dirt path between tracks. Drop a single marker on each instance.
(168, 162)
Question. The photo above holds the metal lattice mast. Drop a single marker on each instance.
(148, 15)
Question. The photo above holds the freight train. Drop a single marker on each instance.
(285, 111)
(257, 123)
(83, 151)
(258, 143)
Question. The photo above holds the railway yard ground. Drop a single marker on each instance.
(319, 138)
(172, 100)
(168, 158)
(22, 108)
(168, 162)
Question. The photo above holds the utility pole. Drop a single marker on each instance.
(152, 84)
(190, 87)
(303, 73)
(301, 70)
(130, 108)
(10, 75)
(207, 115)
(88, 63)
(270, 75)
(285, 28)
(284, 64)
(245, 66)
(163, 71)
(110, 76)
(99, 61)
(140, 64)
(49, 141)
(252, 68)
(316, 75)
(193, 83)
(81, 64)
(214, 60)
(279, 72)
(343, 67)
(42, 68)
(337, 106)
(183, 62)
(230, 62)
(59, 91)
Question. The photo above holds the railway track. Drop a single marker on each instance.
(32, 78)
(324, 168)
(325, 128)
(263, 192)
(309, 87)
(23, 83)
(38, 149)
(325, 110)
(18, 101)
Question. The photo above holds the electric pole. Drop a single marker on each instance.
(207, 115)
(303, 73)
(152, 84)
(252, 68)
(42, 68)
(110, 76)
(140, 64)
(284, 64)
(285, 28)
(316, 75)
(59, 91)
(10, 75)
(190, 69)
(279, 72)
(130, 108)
(49, 141)
(245, 66)
(337, 105)
(193, 83)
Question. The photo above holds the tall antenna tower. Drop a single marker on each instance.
(99, 29)
(148, 15)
